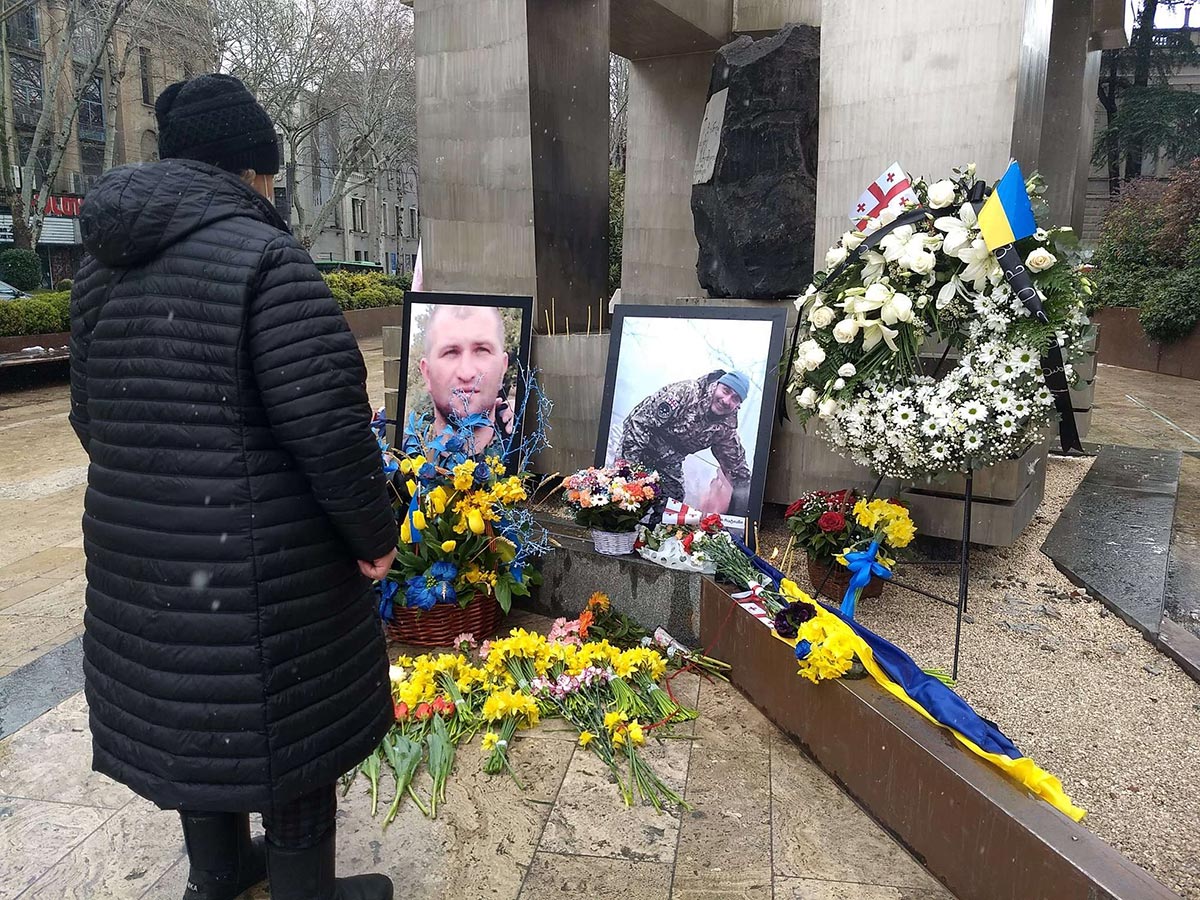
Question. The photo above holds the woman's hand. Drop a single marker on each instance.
(378, 568)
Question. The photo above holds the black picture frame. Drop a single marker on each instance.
(416, 299)
(777, 317)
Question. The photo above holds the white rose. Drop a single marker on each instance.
(847, 370)
(845, 331)
(839, 383)
(1040, 260)
(827, 408)
(822, 316)
(835, 256)
(941, 194)
(807, 398)
(889, 215)
(810, 355)
(851, 239)
(922, 263)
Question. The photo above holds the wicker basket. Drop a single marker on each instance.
(614, 543)
(438, 627)
(832, 579)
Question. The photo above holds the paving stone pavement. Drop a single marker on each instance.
(1145, 409)
(766, 822)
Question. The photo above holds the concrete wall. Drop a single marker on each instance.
(764, 16)
(473, 126)
(1068, 119)
(666, 106)
(954, 81)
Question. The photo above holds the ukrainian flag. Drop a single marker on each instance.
(1007, 215)
(895, 672)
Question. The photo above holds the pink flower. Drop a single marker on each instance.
(485, 649)
(464, 642)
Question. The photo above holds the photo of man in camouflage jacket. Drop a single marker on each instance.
(688, 417)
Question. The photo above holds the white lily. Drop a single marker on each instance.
(898, 308)
(894, 244)
(977, 257)
(875, 331)
(949, 291)
(874, 264)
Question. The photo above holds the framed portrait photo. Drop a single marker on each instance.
(691, 393)
(463, 355)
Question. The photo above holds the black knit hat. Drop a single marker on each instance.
(214, 119)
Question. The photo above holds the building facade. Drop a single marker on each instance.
(374, 221)
(377, 222)
(115, 123)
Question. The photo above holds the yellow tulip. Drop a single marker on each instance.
(405, 531)
(475, 521)
(448, 546)
(418, 520)
(437, 499)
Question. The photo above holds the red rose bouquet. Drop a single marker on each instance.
(823, 523)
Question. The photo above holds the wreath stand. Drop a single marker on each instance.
(964, 571)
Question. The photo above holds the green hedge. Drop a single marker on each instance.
(365, 290)
(1171, 306)
(1148, 254)
(43, 314)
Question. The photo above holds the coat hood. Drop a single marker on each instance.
(136, 212)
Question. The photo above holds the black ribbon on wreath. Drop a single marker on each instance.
(1017, 277)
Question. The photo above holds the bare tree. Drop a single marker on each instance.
(618, 103)
(337, 77)
(74, 38)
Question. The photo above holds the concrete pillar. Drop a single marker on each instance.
(667, 97)
(931, 85)
(1069, 118)
(757, 17)
(648, 28)
(513, 180)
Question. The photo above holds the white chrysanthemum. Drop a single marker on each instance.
(973, 411)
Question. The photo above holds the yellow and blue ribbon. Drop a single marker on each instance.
(897, 673)
(863, 565)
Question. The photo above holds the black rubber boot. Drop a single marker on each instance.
(224, 861)
(308, 874)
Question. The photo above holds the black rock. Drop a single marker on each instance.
(754, 218)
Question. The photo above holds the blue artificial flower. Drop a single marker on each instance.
(427, 472)
(418, 593)
(517, 570)
(386, 590)
(442, 571)
(482, 474)
(803, 648)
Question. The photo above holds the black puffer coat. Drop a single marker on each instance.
(232, 656)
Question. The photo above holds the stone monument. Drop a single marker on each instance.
(754, 194)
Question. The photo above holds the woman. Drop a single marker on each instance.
(236, 511)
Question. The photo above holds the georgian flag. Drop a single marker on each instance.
(891, 189)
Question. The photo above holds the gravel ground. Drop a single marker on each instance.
(1075, 688)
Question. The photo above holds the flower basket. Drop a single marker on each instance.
(614, 543)
(831, 579)
(438, 627)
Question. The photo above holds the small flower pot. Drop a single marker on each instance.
(614, 543)
(830, 578)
